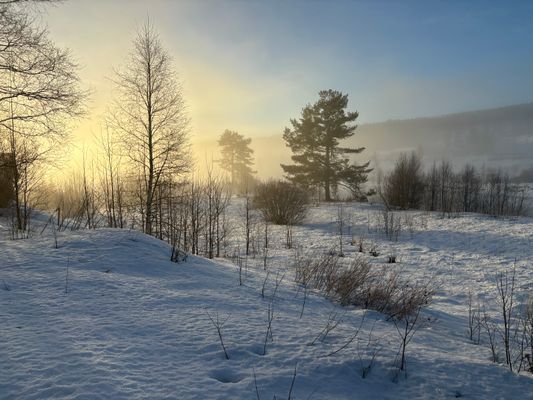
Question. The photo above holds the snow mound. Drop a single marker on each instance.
(107, 315)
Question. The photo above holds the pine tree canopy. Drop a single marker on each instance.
(315, 140)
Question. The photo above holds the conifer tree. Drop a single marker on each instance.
(237, 159)
(315, 140)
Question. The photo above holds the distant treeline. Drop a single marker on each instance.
(441, 188)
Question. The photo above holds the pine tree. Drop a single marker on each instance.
(237, 158)
(315, 142)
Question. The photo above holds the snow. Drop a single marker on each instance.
(126, 323)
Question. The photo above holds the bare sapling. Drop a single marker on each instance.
(266, 242)
(350, 340)
(303, 303)
(505, 284)
(288, 236)
(340, 224)
(391, 224)
(248, 220)
(270, 313)
(278, 281)
(333, 321)
(491, 329)
(289, 397)
(255, 384)
(474, 320)
(239, 261)
(528, 331)
(406, 326)
(54, 233)
(351, 231)
(264, 284)
(270, 318)
(522, 337)
(265, 258)
(367, 357)
(67, 276)
(218, 324)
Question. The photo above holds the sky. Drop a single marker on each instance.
(252, 65)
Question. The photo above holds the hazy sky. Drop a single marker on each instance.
(252, 65)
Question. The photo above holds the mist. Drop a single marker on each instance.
(228, 199)
(251, 68)
(490, 139)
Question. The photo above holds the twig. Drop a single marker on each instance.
(292, 383)
(349, 341)
(303, 304)
(270, 318)
(256, 388)
(66, 276)
(332, 323)
(264, 284)
(218, 325)
(270, 312)
(374, 350)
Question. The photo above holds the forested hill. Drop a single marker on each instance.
(492, 138)
(495, 137)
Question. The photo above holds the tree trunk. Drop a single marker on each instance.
(150, 134)
(327, 182)
(327, 193)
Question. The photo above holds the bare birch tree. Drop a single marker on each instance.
(39, 93)
(149, 114)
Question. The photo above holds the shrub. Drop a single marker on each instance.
(404, 186)
(351, 280)
(281, 202)
(383, 290)
(391, 224)
(318, 271)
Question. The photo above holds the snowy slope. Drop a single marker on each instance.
(134, 325)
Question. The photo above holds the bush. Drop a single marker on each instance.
(318, 271)
(351, 280)
(404, 186)
(383, 290)
(281, 202)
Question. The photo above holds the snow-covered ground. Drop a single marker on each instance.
(125, 322)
